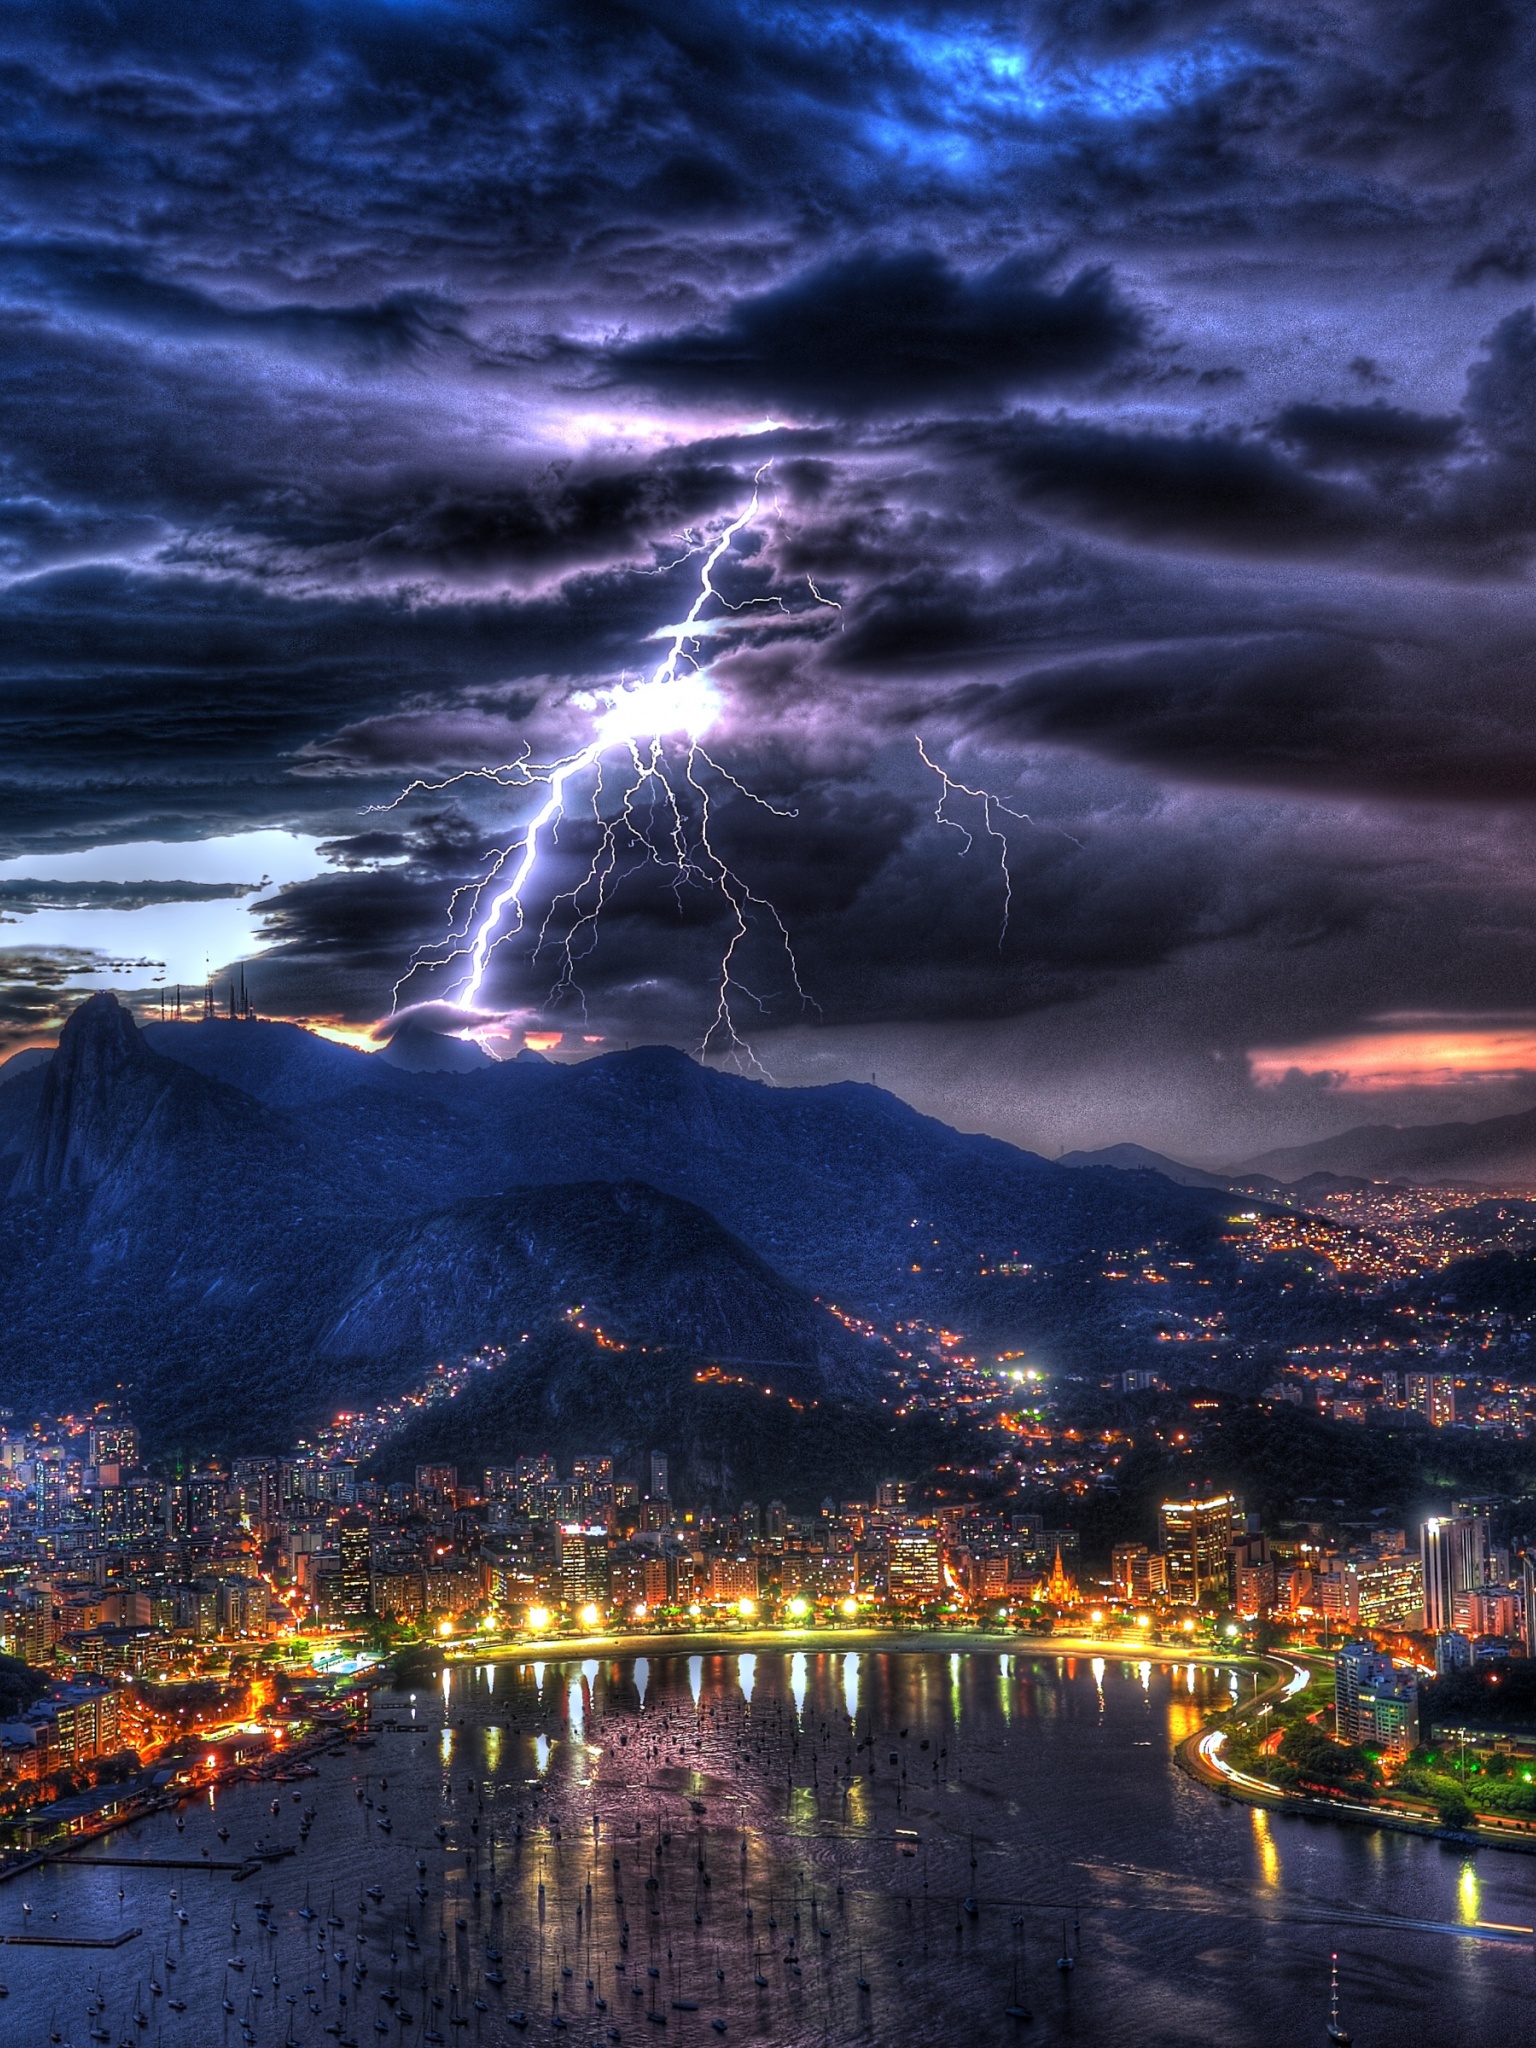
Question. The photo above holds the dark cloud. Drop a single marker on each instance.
(97, 281)
(1305, 710)
(1345, 436)
(882, 332)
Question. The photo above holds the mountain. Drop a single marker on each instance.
(844, 1189)
(1137, 1159)
(1498, 1152)
(169, 1227)
(639, 1266)
(252, 1225)
(24, 1062)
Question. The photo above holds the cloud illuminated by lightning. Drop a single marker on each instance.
(647, 745)
(650, 786)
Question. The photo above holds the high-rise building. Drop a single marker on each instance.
(437, 1486)
(733, 1578)
(914, 1572)
(593, 1479)
(1390, 1590)
(1448, 1547)
(660, 1487)
(113, 1443)
(1483, 1556)
(1122, 1563)
(1149, 1576)
(1432, 1395)
(1375, 1701)
(1493, 1611)
(1195, 1537)
(581, 1563)
(355, 1545)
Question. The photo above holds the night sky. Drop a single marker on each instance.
(1148, 394)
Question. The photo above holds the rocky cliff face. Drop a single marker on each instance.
(100, 1088)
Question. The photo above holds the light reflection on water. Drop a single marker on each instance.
(734, 1782)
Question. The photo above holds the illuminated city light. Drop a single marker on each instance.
(850, 1607)
(538, 1617)
(746, 1609)
(797, 1609)
(591, 1615)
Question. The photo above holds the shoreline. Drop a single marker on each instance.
(925, 1642)
(1197, 1755)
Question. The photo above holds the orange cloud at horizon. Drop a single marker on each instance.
(1441, 1056)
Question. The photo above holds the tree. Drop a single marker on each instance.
(1314, 1761)
(1453, 1810)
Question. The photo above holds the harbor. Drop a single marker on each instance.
(794, 1847)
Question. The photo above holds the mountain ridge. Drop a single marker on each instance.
(1485, 1152)
(250, 1224)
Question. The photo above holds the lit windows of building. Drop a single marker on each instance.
(1391, 1591)
(1195, 1538)
(914, 1572)
(354, 1543)
(733, 1578)
(1432, 1395)
(437, 1486)
(581, 1563)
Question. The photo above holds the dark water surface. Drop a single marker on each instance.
(661, 1798)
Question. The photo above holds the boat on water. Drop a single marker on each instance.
(1337, 2032)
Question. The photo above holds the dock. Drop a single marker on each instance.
(71, 1940)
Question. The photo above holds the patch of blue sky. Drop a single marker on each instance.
(983, 78)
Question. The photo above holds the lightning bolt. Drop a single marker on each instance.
(662, 816)
(991, 807)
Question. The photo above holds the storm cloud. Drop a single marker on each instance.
(1141, 399)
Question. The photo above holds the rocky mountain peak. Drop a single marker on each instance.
(100, 1084)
